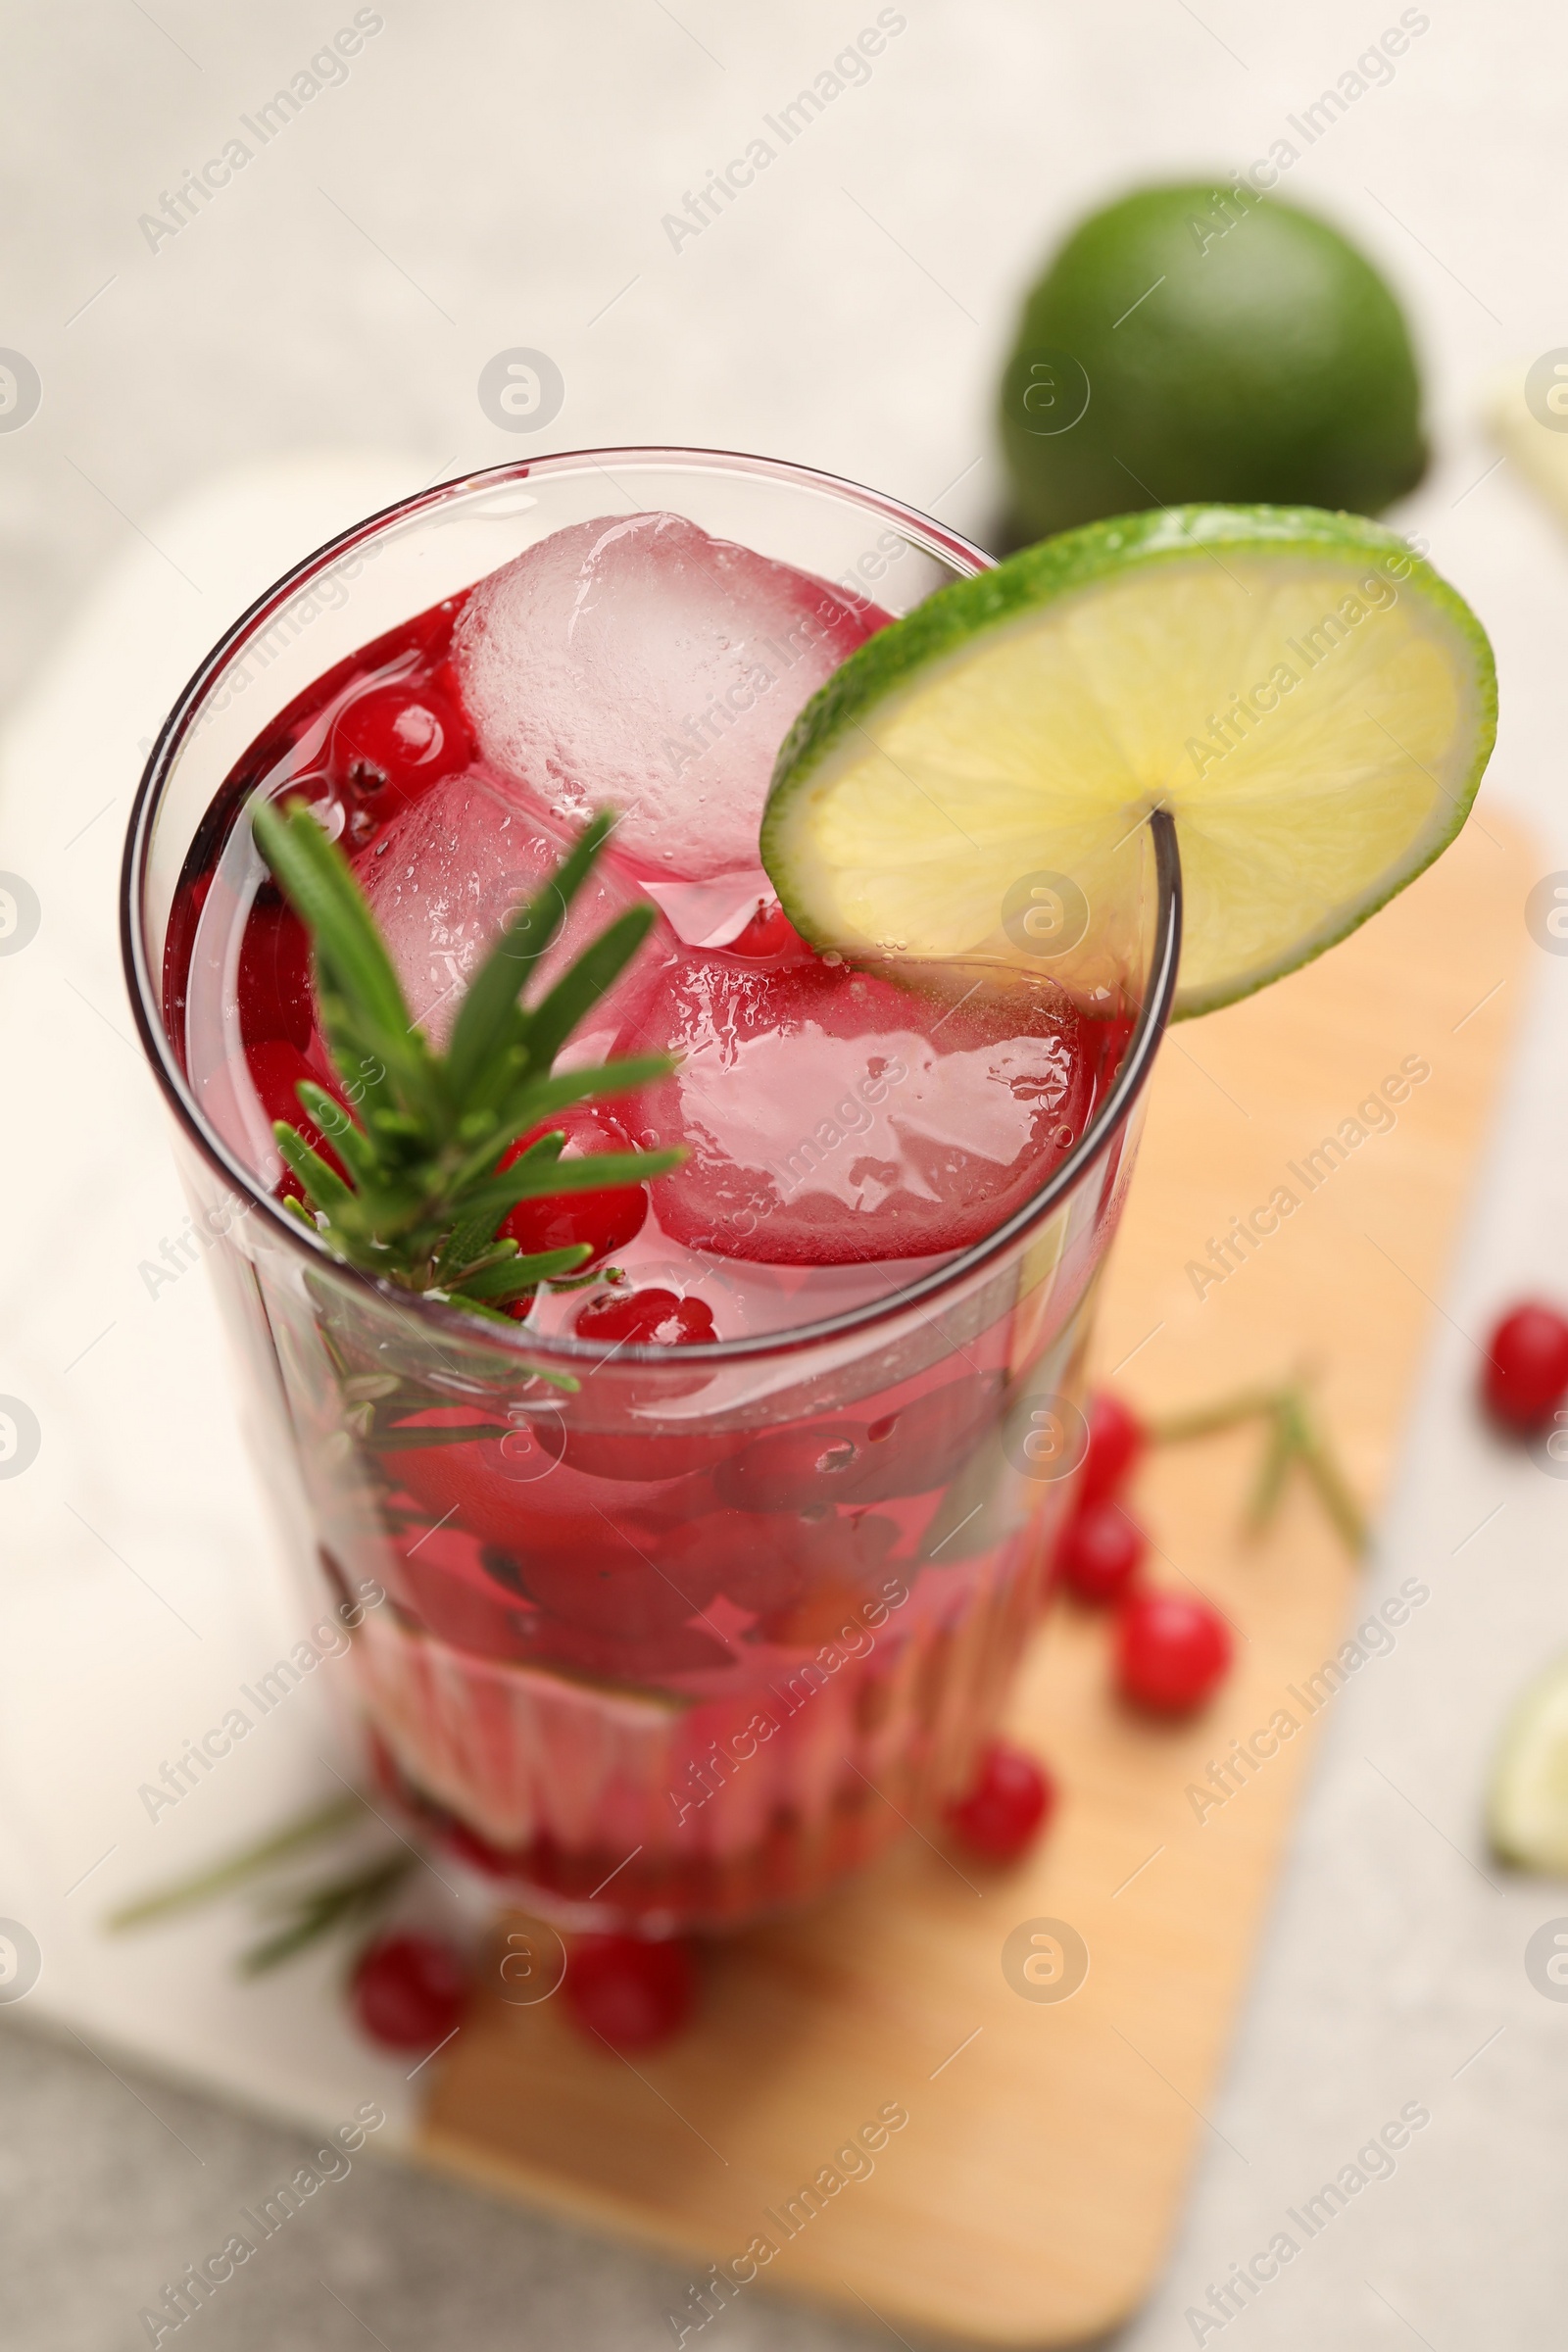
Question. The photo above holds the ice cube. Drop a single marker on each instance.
(443, 879)
(638, 664)
(834, 1117)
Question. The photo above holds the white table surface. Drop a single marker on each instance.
(489, 177)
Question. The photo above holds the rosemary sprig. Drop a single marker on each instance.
(253, 1861)
(321, 1910)
(1293, 1437)
(422, 1192)
(304, 1915)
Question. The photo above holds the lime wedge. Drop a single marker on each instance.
(1313, 703)
(1527, 1806)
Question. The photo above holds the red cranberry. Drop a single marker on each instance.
(402, 736)
(792, 1469)
(1100, 1553)
(769, 934)
(1117, 1438)
(607, 1222)
(645, 1318)
(410, 1992)
(1171, 1653)
(1005, 1806)
(1526, 1373)
(631, 1992)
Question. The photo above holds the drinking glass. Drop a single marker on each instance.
(684, 1643)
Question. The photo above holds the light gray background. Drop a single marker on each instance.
(495, 175)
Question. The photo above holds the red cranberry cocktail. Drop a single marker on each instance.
(687, 1636)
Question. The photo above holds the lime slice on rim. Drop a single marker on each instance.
(1313, 703)
(1527, 1806)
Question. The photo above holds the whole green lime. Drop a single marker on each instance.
(1197, 344)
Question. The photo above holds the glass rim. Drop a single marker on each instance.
(449, 1320)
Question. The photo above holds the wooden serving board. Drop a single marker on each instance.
(1033, 2188)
